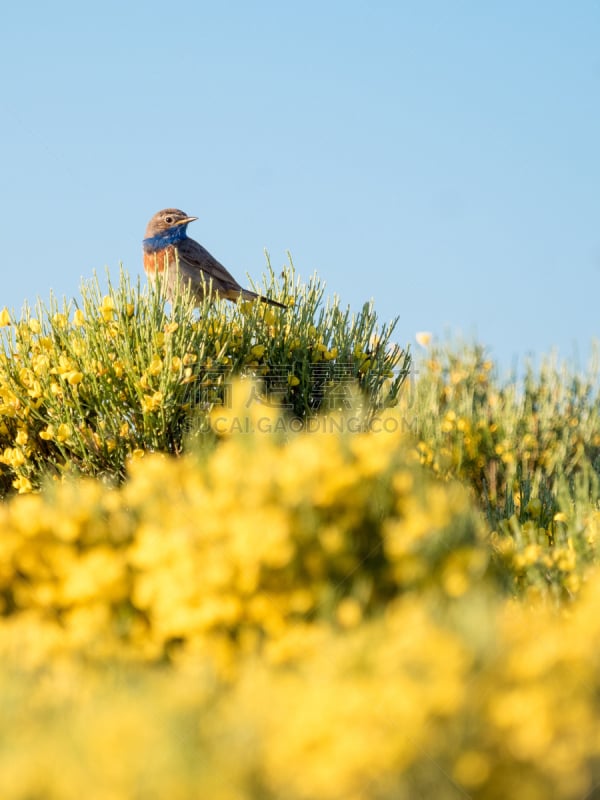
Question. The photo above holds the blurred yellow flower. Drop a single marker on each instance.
(153, 402)
(48, 433)
(63, 432)
(22, 485)
(60, 320)
(155, 366)
(73, 377)
(107, 308)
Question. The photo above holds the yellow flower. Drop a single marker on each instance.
(423, 338)
(107, 308)
(258, 350)
(447, 424)
(152, 402)
(5, 318)
(35, 390)
(64, 432)
(34, 325)
(293, 380)
(48, 434)
(155, 366)
(65, 364)
(40, 363)
(22, 485)
(349, 613)
(269, 317)
(13, 457)
(472, 768)
(25, 376)
(73, 377)
(78, 318)
(60, 320)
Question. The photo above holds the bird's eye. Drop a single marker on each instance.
(169, 220)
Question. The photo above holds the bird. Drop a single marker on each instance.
(168, 248)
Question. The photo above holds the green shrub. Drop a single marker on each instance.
(88, 383)
(511, 441)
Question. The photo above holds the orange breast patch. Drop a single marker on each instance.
(158, 261)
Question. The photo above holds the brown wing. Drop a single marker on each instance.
(199, 266)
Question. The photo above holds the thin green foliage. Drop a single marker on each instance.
(529, 451)
(88, 383)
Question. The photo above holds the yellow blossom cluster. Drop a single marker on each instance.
(509, 441)
(372, 604)
(316, 618)
(86, 385)
(236, 550)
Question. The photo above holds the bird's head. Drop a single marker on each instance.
(165, 220)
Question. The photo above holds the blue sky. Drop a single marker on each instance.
(438, 157)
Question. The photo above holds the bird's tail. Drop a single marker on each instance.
(248, 295)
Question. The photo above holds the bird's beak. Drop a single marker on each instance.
(185, 220)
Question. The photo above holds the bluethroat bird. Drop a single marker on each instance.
(168, 249)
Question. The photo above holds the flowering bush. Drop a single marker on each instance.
(87, 385)
(313, 618)
(235, 550)
(511, 441)
(335, 610)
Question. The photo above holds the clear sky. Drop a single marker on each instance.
(439, 157)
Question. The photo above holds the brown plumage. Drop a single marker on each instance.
(166, 243)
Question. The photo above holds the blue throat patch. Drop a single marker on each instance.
(165, 238)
